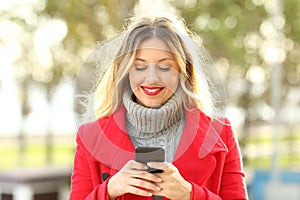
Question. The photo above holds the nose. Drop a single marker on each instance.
(152, 74)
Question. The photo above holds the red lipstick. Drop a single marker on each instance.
(152, 91)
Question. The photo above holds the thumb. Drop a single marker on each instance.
(158, 165)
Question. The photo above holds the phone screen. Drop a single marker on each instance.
(150, 154)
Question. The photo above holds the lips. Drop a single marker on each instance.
(152, 91)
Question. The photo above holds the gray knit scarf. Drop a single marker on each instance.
(156, 127)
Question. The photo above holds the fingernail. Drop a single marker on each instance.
(158, 188)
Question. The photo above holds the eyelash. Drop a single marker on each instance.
(163, 68)
(140, 67)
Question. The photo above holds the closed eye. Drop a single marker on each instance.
(140, 67)
(160, 67)
(164, 68)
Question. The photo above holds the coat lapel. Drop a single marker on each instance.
(195, 156)
(113, 146)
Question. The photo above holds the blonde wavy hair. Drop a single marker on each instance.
(171, 30)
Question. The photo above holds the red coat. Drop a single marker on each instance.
(211, 164)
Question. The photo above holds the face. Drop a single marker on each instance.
(154, 76)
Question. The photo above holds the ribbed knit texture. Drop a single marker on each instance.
(156, 127)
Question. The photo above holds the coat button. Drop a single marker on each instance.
(104, 176)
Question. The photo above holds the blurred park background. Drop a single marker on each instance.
(255, 45)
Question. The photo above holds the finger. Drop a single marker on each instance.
(133, 165)
(163, 190)
(150, 186)
(139, 191)
(159, 165)
(146, 176)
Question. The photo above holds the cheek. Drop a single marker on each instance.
(171, 81)
(134, 80)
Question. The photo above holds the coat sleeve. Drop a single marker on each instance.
(232, 183)
(83, 187)
(199, 192)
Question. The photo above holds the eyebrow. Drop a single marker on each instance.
(160, 60)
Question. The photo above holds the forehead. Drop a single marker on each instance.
(153, 47)
(154, 43)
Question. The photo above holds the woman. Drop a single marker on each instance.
(155, 95)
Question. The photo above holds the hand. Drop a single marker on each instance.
(173, 186)
(133, 178)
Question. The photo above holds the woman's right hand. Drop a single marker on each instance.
(133, 178)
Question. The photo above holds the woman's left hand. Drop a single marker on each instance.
(173, 186)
